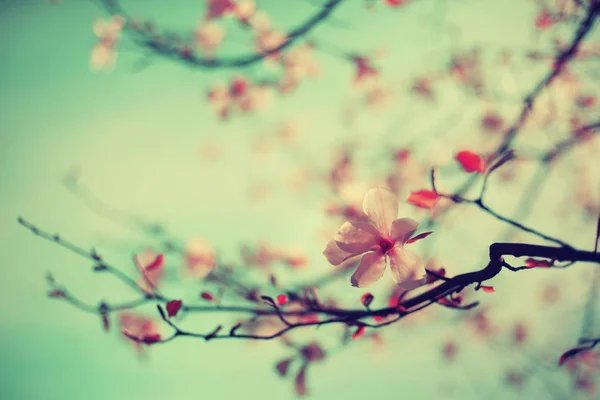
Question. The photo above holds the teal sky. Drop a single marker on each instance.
(137, 137)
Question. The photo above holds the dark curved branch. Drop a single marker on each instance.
(333, 315)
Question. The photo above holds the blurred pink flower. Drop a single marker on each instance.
(150, 265)
(379, 241)
(103, 54)
(200, 258)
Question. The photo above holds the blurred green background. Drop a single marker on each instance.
(137, 138)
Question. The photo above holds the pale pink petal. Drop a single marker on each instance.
(407, 268)
(381, 206)
(99, 26)
(369, 270)
(334, 254)
(102, 57)
(357, 237)
(403, 229)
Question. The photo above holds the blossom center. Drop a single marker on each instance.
(386, 245)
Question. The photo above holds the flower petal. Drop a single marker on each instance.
(356, 237)
(403, 229)
(381, 206)
(407, 268)
(334, 254)
(369, 270)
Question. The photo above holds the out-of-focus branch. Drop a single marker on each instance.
(171, 51)
(559, 64)
(577, 137)
(92, 255)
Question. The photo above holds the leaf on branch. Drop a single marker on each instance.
(57, 293)
(423, 198)
(173, 307)
(471, 162)
(366, 299)
(219, 8)
(282, 299)
(395, 3)
(312, 352)
(488, 289)
(418, 237)
(569, 354)
(300, 383)
(152, 338)
(534, 263)
(283, 366)
(359, 332)
(207, 296)
(156, 264)
(364, 69)
(146, 339)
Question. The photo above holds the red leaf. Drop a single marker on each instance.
(301, 382)
(150, 339)
(313, 352)
(57, 293)
(520, 333)
(402, 156)
(157, 263)
(173, 307)
(282, 299)
(449, 351)
(239, 86)
(207, 296)
(395, 3)
(570, 354)
(218, 8)
(359, 332)
(586, 102)
(424, 198)
(418, 237)
(471, 162)
(366, 299)
(533, 263)
(283, 366)
(488, 289)
(363, 69)
(492, 122)
(544, 20)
